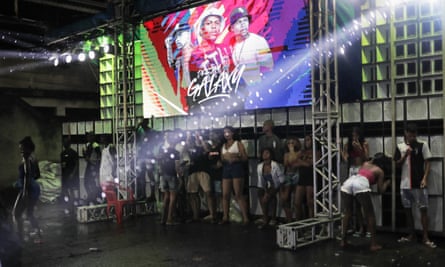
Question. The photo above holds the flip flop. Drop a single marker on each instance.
(430, 244)
(357, 234)
(404, 240)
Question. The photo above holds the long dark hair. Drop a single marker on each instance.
(297, 145)
(235, 133)
(383, 162)
(27, 142)
(361, 139)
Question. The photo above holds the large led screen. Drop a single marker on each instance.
(227, 55)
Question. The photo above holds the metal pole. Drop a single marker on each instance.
(393, 116)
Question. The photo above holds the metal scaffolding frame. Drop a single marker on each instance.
(325, 111)
(124, 110)
(325, 133)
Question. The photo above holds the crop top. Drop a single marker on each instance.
(232, 149)
(368, 174)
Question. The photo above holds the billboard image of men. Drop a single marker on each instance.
(209, 62)
(178, 44)
(249, 49)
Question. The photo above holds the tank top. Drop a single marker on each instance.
(232, 149)
(368, 174)
(355, 154)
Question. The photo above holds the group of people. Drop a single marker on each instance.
(216, 166)
(219, 166)
(412, 156)
(100, 167)
(189, 163)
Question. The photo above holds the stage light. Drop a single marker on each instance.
(107, 48)
(81, 57)
(92, 54)
(55, 59)
(68, 58)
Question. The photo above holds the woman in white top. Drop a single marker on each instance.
(233, 156)
(270, 176)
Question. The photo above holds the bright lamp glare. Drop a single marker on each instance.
(68, 58)
(106, 48)
(81, 57)
(92, 54)
(56, 62)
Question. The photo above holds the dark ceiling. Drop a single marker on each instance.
(26, 24)
(31, 24)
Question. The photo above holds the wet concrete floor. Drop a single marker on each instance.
(143, 241)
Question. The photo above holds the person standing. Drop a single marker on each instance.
(413, 156)
(199, 177)
(292, 163)
(108, 163)
(270, 140)
(70, 174)
(145, 154)
(215, 171)
(354, 153)
(233, 156)
(92, 155)
(305, 184)
(169, 167)
(29, 192)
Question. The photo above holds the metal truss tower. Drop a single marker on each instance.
(325, 111)
(325, 133)
(124, 112)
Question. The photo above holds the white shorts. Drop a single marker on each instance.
(356, 184)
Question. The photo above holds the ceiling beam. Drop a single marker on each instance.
(66, 6)
(100, 4)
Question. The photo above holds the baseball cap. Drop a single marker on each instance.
(237, 13)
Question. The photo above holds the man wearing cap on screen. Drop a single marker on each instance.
(209, 53)
(179, 39)
(249, 48)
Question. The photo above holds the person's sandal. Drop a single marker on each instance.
(404, 239)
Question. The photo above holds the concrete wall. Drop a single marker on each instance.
(17, 120)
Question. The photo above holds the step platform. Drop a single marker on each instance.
(304, 232)
(96, 213)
